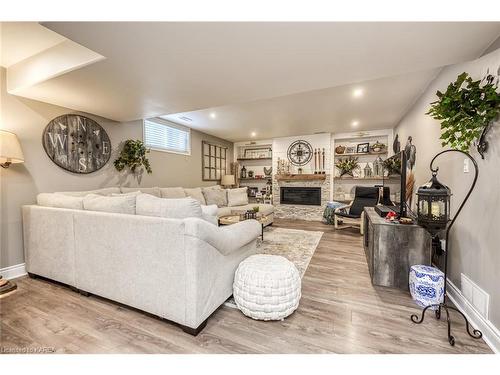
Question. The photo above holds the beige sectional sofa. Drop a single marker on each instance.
(180, 269)
(180, 192)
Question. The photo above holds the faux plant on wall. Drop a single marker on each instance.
(466, 110)
(133, 156)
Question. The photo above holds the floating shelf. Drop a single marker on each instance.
(300, 177)
(367, 178)
(363, 154)
(255, 179)
(247, 159)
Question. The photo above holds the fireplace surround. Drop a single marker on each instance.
(309, 196)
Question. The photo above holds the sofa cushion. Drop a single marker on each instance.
(152, 190)
(103, 191)
(131, 193)
(181, 208)
(172, 192)
(224, 211)
(120, 204)
(237, 197)
(60, 201)
(215, 195)
(197, 194)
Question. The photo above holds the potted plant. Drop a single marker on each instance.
(392, 166)
(466, 110)
(133, 156)
(347, 165)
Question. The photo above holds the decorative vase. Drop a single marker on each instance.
(426, 285)
(250, 174)
(243, 173)
(378, 147)
(339, 149)
(349, 173)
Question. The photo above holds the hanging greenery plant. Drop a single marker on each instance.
(133, 156)
(347, 165)
(466, 110)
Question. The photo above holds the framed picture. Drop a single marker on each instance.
(350, 150)
(363, 148)
(257, 153)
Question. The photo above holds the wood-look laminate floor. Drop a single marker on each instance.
(340, 312)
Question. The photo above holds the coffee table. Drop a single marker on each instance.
(264, 221)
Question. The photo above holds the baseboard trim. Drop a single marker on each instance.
(491, 334)
(13, 272)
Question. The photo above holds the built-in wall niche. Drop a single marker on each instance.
(370, 148)
(214, 161)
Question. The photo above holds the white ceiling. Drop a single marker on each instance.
(383, 103)
(21, 40)
(154, 69)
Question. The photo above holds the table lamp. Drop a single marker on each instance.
(227, 180)
(10, 149)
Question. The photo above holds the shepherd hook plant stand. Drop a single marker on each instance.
(476, 334)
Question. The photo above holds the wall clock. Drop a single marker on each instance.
(76, 143)
(300, 152)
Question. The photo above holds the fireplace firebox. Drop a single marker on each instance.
(310, 196)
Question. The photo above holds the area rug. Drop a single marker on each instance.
(296, 245)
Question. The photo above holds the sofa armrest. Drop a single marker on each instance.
(225, 239)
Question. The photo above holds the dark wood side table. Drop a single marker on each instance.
(391, 249)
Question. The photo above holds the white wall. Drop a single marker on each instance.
(280, 148)
(475, 237)
(21, 183)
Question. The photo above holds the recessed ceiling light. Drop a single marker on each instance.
(357, 93)
(355, 123)
(213, 115)
(253, 134)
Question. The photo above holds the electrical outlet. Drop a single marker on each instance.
(466, 165)
(475, 295)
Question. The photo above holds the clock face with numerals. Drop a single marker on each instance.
(300, 153)
(76, 143)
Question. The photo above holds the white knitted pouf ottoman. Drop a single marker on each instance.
(267, 287)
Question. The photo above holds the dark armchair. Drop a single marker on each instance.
(352, 214)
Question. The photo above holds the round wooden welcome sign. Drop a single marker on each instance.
(77, 143)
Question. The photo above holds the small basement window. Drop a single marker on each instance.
(162, 135)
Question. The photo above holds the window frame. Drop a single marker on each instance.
(170, 124)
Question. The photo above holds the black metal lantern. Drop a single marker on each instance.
(433, 206)
(433, 213)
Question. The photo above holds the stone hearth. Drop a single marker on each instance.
(301, 212)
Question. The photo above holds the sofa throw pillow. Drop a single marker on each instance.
(59, 201)
(172, 192)
(103, 191)
(152, 190)
(132, 193)
(237, 197)
(181, 208)
(210, 210)
(197, 194)
(122, 204)
(215, 195)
